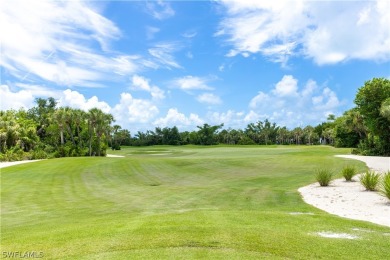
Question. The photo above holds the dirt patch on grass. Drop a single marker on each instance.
(328, 234)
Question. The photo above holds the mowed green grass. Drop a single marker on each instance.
(219, 202)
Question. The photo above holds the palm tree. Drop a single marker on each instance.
(283, 135)
(114, 130)
(355, 122)
(92, 118)
(98, 122)
(328, 134)
(309, 131)
(269, 131)
(79, 117)
(69, 118)
(9, 130)
(59, 117)
(298, 132)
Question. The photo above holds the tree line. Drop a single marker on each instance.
(260, 133)
(366, 128)
(46, 131)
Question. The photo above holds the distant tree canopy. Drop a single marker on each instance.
(46, 130)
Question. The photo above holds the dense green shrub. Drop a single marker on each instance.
(14, 154)
(370, 180)
(38, 154)
(324, 177)
(246, 141)
(385, 185)
(348, 172)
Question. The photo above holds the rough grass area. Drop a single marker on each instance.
(180, 202)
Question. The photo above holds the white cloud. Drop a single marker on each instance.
(151, 31)
(77, 100)
(288, 86)
(25, 98)
(190, 34)
(160, 10)
(129, 112)
(49, 40)
(328, 100)
(174, 117)
(189, 55)
(364, 16)
(39, 91)
(134, 110)
(141, 83)
(229, 118)
(15, 100)
(252, 117)
(289, 105)
(309, 88)
(209, 98)
(191, 83)
(163, 54)
(261, 99)
(268, 27)
(326, 31)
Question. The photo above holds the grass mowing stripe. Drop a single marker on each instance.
(192, 202)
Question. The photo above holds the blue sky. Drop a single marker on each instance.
(185, 63)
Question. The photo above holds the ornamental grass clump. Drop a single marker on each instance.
(324, 176)
(385, 185)
(370, 180)
(348, 172)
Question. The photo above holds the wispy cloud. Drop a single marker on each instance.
(141, 83)
(160, 10)
(326, 31)
(38, 90)
(188, 83)
(190, 34)
(163, 54)
(151, 31)
(50, 40)
(209, 98)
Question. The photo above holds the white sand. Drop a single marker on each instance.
(114, 156)
(376, 163)
(7, 164)
(349, 199)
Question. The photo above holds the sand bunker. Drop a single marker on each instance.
(349, 199)
(114, 156)
(7, 164)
